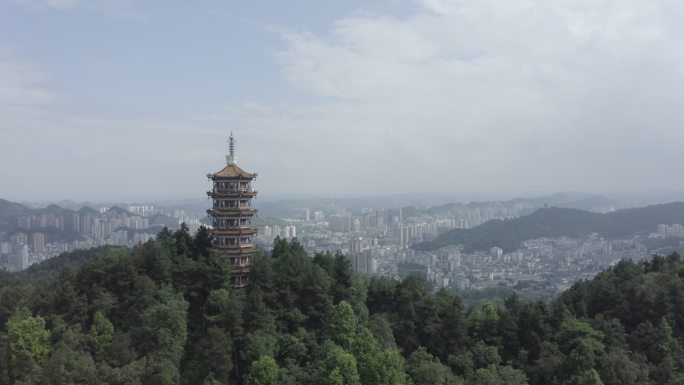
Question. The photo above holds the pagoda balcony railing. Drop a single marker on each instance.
(234, 230)
(238, 207)
(236, 245)
(231, 211)
(240, 248)
(234, 190)
(244, 192)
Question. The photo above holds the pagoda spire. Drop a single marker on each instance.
(231, 159)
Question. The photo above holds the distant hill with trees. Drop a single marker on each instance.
(555, 222)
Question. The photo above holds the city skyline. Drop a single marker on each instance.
(106, 99)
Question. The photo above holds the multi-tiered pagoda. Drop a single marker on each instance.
(231, 215)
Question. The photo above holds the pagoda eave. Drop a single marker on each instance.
(234, 231)
(231, 177)
(231, 212)
(233, 250)
(239, 194)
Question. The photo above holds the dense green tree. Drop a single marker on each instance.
(586, 377)
(101, 334)
(29, 343)
(493, 375)
(547, 368)
(69, 366)
(484, 355)
(264, 372)
(342, 324)
(339, 367)
(616, 367)
(163, 335)
(382, 331)
(425, 369)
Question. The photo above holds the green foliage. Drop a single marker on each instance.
(586, 377)
(618, 368)
(164, 313)
(342, 324)
(492, 375)
(264, 372)
(339, 367)
(29, 342)
(425, 369)
(377, 366)
(101, 334)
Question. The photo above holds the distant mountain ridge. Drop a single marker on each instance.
(556, 222)
(572, 200)
(8, 208)
(415, 205)
(10, 212)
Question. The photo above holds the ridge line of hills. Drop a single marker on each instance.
(556, 222)
(10, 212)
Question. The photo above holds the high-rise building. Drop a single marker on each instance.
(21, 258)
(73, 222)
(19, 239)
(355, 245)
(231, 215)
(6, 248)
(24, 222)
(38, 242)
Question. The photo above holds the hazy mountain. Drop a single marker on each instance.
(556, 222)
(8, 209)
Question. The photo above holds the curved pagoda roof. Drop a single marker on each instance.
(232, 171)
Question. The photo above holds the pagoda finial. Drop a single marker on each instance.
(232, 160)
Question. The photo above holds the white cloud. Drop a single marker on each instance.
(518, 94)
(503, 96)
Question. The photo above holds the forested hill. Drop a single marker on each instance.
(163, 313)
(555, 222)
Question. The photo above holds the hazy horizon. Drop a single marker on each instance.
(120, 101)
(430, 199)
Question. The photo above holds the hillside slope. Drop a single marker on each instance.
(556, 222)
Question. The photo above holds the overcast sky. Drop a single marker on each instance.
(133, 100)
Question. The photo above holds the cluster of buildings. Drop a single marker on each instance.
(378, 229)
(668, 231)
(555, 263)
(41, 236)
(377, 242)
(269, 233)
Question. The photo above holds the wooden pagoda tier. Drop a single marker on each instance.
(231, 215)
(247, 230)
(232, 194)
(233, 250)
(231, 212)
